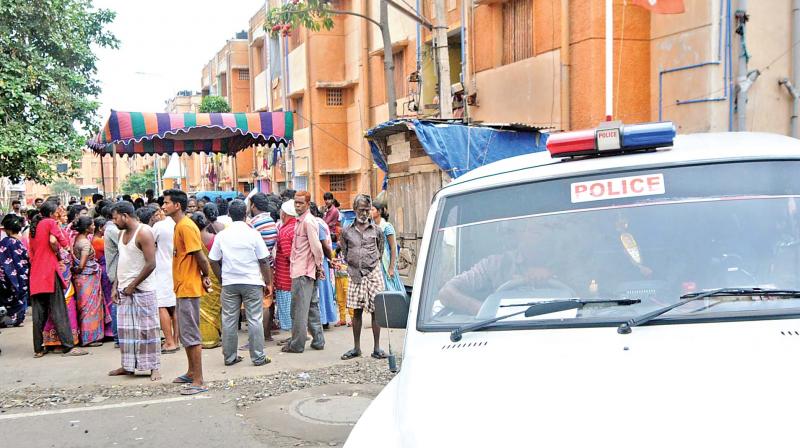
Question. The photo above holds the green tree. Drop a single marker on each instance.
(48, 82)
(138, 183)
(61, 187)
(213, 103)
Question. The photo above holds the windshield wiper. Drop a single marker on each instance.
(625, 328)
(536, 309)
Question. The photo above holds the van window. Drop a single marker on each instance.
(708, 226)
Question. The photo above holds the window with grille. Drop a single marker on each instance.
(338, 182)
(244, 75)
(517, 30)
(335, 97)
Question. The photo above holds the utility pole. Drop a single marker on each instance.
(443, 60)
(388, 61)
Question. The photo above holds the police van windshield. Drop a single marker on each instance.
(649, 235)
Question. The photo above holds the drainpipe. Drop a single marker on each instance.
(744, 79)
(466, 5)
(565, 122)
(312, 181)
(284, 49)
(419, 56)
(791, 86)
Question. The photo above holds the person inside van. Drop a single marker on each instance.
(528, 264)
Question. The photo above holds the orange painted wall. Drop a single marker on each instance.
(587, 34)
(240, 93)
(329, 133)
(631, 86)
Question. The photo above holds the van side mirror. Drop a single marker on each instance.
(391, 309)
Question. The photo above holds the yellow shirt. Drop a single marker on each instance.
(186, 272)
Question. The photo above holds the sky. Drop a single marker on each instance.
(163, 47)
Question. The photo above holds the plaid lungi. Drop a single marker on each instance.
(361, 295)
(283, 306)
(138, 329)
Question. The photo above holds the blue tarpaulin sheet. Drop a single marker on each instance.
(457, 148)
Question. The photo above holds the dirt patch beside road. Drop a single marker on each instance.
(242, 390)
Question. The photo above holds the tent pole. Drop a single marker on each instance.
(103, 175)
(114, 180)
(234, 175)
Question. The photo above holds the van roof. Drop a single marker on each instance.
(687, 149)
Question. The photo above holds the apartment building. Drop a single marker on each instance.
(227, 74)
(682, 67)
(533, 62)
(325, 78)
(258, 61)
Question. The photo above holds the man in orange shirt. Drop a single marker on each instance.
(190, 270)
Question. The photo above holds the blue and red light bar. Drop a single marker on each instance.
(611, 138)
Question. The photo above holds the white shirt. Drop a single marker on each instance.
(163, 233)
(225, 220)
(239, 247)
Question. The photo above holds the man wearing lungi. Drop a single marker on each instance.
(134, 293)
(362, 248)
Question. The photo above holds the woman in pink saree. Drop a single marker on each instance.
(86, 277)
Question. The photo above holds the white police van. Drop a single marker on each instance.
(629, 286)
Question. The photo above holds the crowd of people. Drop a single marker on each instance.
(153, 274)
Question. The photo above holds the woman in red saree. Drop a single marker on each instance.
(47, 287)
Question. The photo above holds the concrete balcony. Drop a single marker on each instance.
(297, 70)
(302, 138)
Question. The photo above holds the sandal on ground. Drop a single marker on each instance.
(119, 372)
(39, 354)
(287, 349)
(169, 350)
(183, 379)
(353, 353)
(235, 361)
(194, 390)
(379, 354)
(266, 361)
(94, 344)
(75, 352)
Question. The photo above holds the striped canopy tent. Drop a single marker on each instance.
(149, 133)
